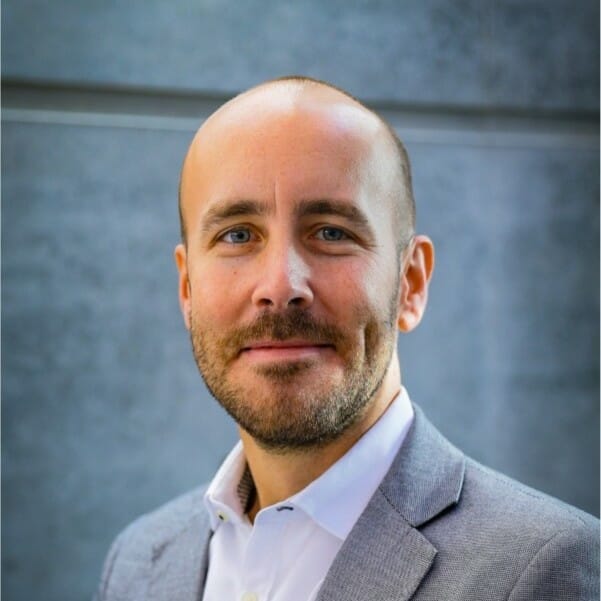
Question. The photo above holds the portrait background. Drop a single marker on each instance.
(103, 413)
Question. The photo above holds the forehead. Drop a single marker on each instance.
(284, 145)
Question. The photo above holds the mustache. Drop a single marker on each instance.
(294, 323)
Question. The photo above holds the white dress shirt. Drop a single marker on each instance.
(287, 552)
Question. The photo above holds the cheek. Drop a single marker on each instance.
(217, 293)
(371, 282)
(350, 293)
(373, 295)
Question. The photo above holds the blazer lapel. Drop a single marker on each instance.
(385, 556)
(179, 565)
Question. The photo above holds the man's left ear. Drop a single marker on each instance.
(417, 267)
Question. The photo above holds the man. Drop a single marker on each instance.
(298, 265)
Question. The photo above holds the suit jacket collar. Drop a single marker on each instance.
(384, 557)
(426, 476)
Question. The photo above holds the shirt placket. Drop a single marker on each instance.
(262, 557)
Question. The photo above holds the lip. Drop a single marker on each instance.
(277, 344)
(282, 350)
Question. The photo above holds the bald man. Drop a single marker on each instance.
(298, 266)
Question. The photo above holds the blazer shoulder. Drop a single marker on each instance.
(164, 523)
(505, 540)
(169, 519)
(523, 506)
(135, 549)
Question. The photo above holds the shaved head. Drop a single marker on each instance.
(299, 261)
(287, 95)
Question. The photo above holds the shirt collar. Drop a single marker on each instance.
(337, 498)
(230, 488)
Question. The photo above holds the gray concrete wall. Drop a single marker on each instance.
(104, 414)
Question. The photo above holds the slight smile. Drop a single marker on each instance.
(287, 350)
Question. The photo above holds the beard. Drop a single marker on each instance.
(297, 404)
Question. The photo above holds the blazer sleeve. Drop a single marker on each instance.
(566, 568)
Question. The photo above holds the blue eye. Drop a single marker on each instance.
(331, 234)
(237, 236)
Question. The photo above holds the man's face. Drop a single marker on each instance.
(291, 272)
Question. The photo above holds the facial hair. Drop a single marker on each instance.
(298, 407)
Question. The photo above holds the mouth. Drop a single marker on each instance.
(285, 350)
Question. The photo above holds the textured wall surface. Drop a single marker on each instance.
(523, 53)
(104, 415)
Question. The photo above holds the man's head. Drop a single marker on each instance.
(299, 259)
(401, 188)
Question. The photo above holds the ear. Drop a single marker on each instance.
(415, 279)
(184, 283)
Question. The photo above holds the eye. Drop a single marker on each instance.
(239, 235)
(331, 234)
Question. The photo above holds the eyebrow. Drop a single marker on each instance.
(215, 215)
(343, 209)
(304, 208)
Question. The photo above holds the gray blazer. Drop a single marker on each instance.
(440, 527)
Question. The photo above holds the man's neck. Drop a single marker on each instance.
(278, 476)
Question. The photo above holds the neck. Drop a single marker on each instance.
(278, 476)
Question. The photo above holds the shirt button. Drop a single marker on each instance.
(222, 516)
(250, 597)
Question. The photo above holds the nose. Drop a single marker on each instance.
(284, 281)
